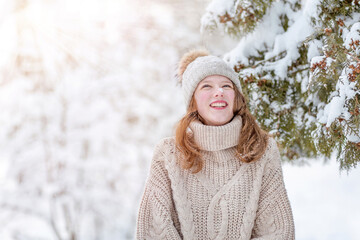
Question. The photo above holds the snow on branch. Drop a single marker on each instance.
(299, 65)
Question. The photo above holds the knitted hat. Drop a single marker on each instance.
(196, 65)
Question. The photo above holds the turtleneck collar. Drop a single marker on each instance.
(215, 138)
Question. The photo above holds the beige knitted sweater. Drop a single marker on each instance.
(227, 199)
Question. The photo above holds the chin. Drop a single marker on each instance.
(219, 122)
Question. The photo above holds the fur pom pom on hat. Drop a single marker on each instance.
(196, 65)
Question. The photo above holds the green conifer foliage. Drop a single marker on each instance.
(243, 17)
(302, 79)
(339, 68)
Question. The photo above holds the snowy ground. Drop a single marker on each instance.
(325, 202)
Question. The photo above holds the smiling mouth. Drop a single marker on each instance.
(218, 105)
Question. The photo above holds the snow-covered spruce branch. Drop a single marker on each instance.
(299, 71)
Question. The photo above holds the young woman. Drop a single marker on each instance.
(220, 177)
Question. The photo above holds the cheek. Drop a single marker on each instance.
(231, 97)
(201, 99)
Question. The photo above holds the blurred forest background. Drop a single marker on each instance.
(87, 88)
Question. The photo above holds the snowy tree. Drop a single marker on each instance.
(84, 99)
(298, 63)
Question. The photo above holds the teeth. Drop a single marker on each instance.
(218, 104)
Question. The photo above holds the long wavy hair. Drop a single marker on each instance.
(252, 141)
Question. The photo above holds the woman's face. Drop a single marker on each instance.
(214, 98)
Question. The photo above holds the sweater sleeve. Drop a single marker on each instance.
(157, 217)
(274, 219)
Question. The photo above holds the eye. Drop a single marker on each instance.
(227, 86)
(205, 86)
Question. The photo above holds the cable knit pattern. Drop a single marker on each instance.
(181, 200)
(227, 199)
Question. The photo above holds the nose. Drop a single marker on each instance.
(219, 92)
